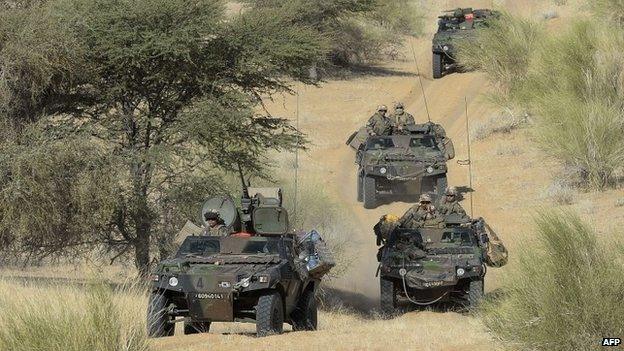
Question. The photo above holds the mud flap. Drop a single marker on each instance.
(449, 148)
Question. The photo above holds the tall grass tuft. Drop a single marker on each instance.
(565, 293)
(70, 318)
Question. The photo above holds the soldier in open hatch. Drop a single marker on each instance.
(214, 225)
(423, 214)
(379, 123)
(449, 205)
(400, 119)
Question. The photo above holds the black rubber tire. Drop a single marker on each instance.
(269, 315)
(475, 293)
(370, 192)
(437, 66)
(305, 316)
(196, 327)
(388, 296)
(360, 191)
(441, 184)
(159, 323)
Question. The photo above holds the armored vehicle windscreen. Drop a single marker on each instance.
(209, 245)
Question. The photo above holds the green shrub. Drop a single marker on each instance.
(566, 291)
(67, 318)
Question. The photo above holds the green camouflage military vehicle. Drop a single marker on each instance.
(425, 266)
(405, 164)
(453, 26)
(262, 273)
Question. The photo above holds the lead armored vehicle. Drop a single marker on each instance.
(453, 26)
(402, 164)
(261, 273)
(425, 266)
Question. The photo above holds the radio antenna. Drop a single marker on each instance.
(296, 158)
(422, 88)
(469, 157)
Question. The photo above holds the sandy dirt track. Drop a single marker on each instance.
(510, 177)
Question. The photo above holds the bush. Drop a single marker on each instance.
(62, 318)
(565, 293)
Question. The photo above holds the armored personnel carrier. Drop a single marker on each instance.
(262, 273)
(425, 266)
(455, 25)
(402, 164)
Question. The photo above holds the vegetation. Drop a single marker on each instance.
(565, 293)
(571, 82)
(124, 113)
(358, 30)
(66, 318)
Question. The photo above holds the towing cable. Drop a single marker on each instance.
(403, 273)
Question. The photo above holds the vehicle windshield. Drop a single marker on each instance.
(211, 245)
(423, 142)
(448, 237)
(379, 143)
(200, 246)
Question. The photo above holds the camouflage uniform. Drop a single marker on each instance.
(423, 214)
(400, 118)
(449, 204)
(217, 228)
(379, 124)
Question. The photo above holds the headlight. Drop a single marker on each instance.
(460, 272)
(383, 170)
(173, 281)
(430, 169)
(445, 48)
(244, 283)
(402, 272)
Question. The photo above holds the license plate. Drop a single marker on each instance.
(432, 284)
(210, 296)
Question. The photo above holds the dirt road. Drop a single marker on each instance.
(328, 115)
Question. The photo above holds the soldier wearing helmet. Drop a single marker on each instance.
(423, 214)
(379, 123)
(449, 204)
(214, 225)
(400, 119)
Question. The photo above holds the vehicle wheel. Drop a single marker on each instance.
(388, 297)
(441, 185)
(475, 292)
(360, 192)
(269, 315)
(159, 323)
(437, 66)
(196, 327)
(304, 317)
(370, 192)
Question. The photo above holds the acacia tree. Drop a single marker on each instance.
(166, 91)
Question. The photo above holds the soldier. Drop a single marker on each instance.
(214, 225)
(379, 123)
(423, 214)
(449, 204)
(400, 119)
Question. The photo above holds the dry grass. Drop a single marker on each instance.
(72, 318)
(561, 194)
(346, 331)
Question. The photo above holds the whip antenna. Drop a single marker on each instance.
(422, 88)
(296, 157)
(469, 156)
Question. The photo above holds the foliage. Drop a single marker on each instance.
(358, 30)
(163, 94)
(565, 293)
(571, 81)
(68, 319)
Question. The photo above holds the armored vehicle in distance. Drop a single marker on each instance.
(261, 273)
(404, 164)
(425, 266)
(455, 25)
